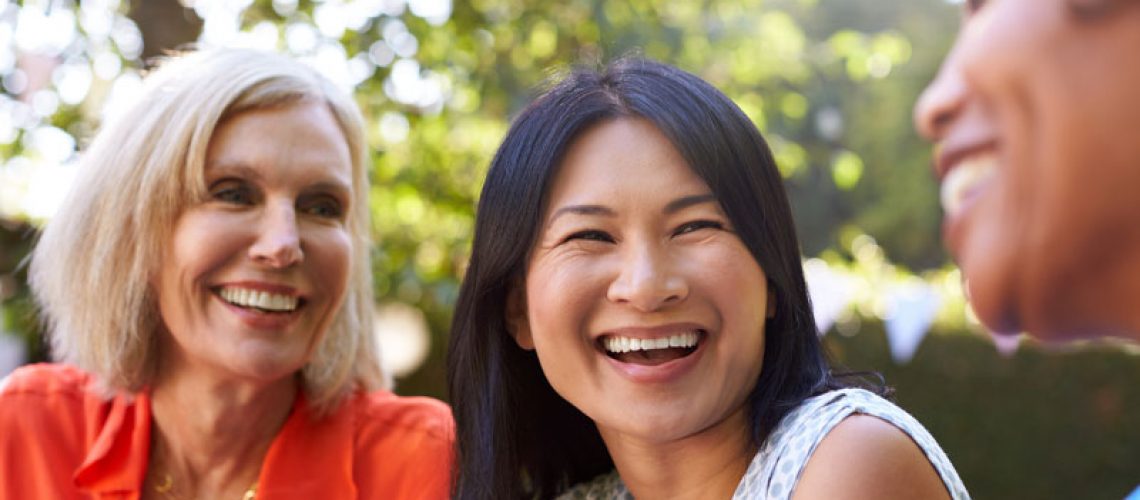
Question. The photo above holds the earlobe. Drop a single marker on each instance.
(517, 323)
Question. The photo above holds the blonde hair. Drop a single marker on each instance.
(90, 270)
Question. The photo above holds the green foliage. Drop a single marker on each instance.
(830, 83)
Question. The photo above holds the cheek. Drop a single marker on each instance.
(736, 285)
(732, 278)
(559, 300)
(332, 256)
(198, 245)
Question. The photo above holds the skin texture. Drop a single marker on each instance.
(1050, 244)
(612, 256)
(279, 186)
(628, 263)
(864, 457)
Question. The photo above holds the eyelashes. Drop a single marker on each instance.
(697, 225)
(589, 235)
(239, 193)
(597, 235)
(232, 191)
(1091, 10)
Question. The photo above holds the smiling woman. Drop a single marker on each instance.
(635, 301)
(207, 288)
(1036, 118)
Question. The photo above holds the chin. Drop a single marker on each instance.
(655, 425)
(268, 369)
(992, 296)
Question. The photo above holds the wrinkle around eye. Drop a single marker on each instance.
(554, 249)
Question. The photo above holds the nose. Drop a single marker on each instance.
(942, 101)
(648, 280)
(278, 242)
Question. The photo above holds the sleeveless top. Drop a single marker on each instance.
(776, 468)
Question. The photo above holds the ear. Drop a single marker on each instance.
(770, 312)
(517, 323)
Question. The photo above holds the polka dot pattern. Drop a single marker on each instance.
(776, 468)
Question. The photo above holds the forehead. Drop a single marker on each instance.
(299, 138)
(625, 159)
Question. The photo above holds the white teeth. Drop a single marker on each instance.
(617, 344)
(262, 300)
(964, 178)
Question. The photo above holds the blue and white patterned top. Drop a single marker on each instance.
(776, 469)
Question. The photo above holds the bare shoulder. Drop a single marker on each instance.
(866, 457)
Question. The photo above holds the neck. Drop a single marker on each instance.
(211, 434)
(708, 464)
(1117, 302)
(1101, 302)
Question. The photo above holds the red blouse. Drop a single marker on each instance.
(59, 439)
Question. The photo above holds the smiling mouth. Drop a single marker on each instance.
(650, 352)
(966, 180)
(259, 301)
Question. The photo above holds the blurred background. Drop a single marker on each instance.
(829, 82)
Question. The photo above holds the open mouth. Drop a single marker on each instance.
(966, 180)
(650, 352)
(260, 301)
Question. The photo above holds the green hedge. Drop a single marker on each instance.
(1041, 424)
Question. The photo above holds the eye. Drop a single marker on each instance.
(324, 206)
(973, 6)
(589, 235)
(697, 225)
(232, 191)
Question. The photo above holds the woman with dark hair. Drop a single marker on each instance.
(635, 300)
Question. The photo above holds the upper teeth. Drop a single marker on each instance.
(962, 180)
(261, 300)
(627, 344)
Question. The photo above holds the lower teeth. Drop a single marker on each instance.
(653, 356)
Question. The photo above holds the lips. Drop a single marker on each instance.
(650, 351)
(656, 355)
(261, 300)
(262, 306)
(965, 180)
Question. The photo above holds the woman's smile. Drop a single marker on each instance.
(645, 308)
(262, 306)
(653, 355)
(257, 270)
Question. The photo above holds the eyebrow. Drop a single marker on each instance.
(232, 168)
(583, 210)
(670, 208)
(222, 169)
(687, 201)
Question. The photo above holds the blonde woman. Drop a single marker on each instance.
(208, 294)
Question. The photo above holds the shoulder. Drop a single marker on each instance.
(45, 380)
(51, 409)
(403, 445)
(386, 412)
(852, 431)
(34, 392)
(866, 457)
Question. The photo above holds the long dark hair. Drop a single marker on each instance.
(517, 438)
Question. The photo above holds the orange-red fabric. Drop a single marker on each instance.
(59, 439)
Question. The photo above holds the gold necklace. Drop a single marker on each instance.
(166, 488)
